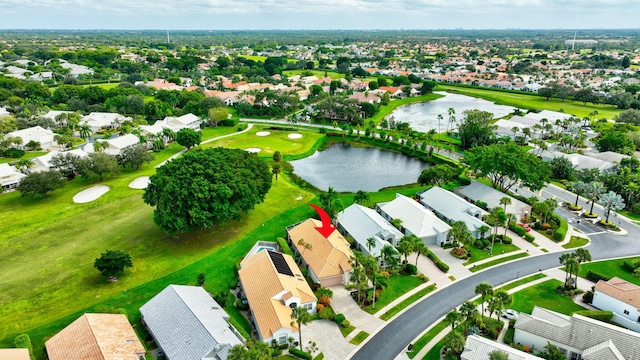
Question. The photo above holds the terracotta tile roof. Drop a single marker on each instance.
(328, 256)
(267, 290)
(620, 289)
(96, 337)
(14, 354)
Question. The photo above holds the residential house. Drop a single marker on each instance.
(42, 76)
(273, 285)
(10, 177)
(74, 69)
(190, 121)
(15, 354)
(394, 92)
(96, 337)
(328, 259)
(477, 191)
(43, 163)
(551, 116)
(102, 120)
(116, 145)
(578, 161)
(577, 336)
(362, 224)
(187, 323)
(416, 219)
(38, 134)
(365, 97)
(479, 348)
(53, 115)
(451, 208)
(622, 298)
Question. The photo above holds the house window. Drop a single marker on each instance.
(626, 312)
(563, 351)
(308, 306)
(575, 356)
(282, 340)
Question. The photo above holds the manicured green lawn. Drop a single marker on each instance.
(526, 101)
(497, 261)
(498, 249)
(610, 268)
(358, 339)
(211, 132)
(105, 86)
(387, 109)
(434, 353)
(406, 302)
(575, 242)
(398, 285)
(544, 295)
(346, 331)
(27, 155)
(276, 141)
(522, 281)
(424, 339)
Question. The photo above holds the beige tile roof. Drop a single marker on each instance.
(266, 290)
(14, 354)
(96, 337)
(620, 289)
(328, 256)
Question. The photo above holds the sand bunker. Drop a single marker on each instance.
(295, 136)
(90, 194)
(253, 150)
(139, 183)
(263, 133)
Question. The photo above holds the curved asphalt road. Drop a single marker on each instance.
(395, 336)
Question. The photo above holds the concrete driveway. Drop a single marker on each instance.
(328, 339)
(343, 303)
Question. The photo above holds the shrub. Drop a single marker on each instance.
(23, 341)
(441, 265)
(537, 225)
(517, 229)
(284, 246)
(601, 315)
(300, 354)
(563, 227)
(423, 278)
(587, 297)
(325, 313)
(482, 204)
(529, 237)
(630, 267)
(229, 122)
(546, 226)
(486, 242)
(320, 307)
(595, 277)
(242, 126)
(276, 352)
(12, 153)
(339, 318)
(506, 240)
(460, 253)
(241, 305)
(345, 323)
(410, 269)
(479, 244)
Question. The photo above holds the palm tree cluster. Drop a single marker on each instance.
(571, 263)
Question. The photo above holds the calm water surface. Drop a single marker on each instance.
(348, 168)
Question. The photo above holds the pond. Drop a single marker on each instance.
(348, 168)
(424, 116)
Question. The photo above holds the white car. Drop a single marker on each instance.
(510, 314)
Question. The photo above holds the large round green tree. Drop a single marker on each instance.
(205, 187)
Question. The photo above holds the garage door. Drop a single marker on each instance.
(332, 281)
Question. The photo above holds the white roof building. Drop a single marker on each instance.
(37, 133)
(416, 219)
(452, 208)
(99, 120)
(116, 145)
(362, 223)
(43, 163)
(53, 114)
(10, 177)
(479, 348)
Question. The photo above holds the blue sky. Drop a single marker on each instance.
(318, 14)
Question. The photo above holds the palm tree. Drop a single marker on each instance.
(485, 290)
(611, 201)
(496, 214)
(594, 191)
(84, 131)
(406, 245)
(300, 317)
(460, 233)
(483, 230)
(371, 243)
(452, 118)
(579, 187)
(515, 130)
(505, 200)
(581, 255)
(469, 311)
(397, 223)
(440, 118)
(24, 165)
(358, 275)
(419, 248)
(168, 134)
(330, 201)
(454, 343)
(370, 265)
(361, 197)
(453, 317)
(388, 254)
(511, 219)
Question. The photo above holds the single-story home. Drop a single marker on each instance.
(189, 120)
(102, 120)
(622, 298)
(578, 161)
(362, 223)
(328, 259)
(451, 208)
(96, 337)
(43, 163)
(187, 323)
(479, 348)
(477, 191)
(416, 219)
(53, 114)
(15, 354)
(577, 336)
(273, 285)
(116, 145)
(38, 134)
(10, 177)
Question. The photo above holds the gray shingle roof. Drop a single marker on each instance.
(479, 348)
(479, 191)
(416, 218)
(453, 207)
(580, 332)
(188, 324)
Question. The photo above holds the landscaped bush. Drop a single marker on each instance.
(229, 122)
(482, 204)
(460, 253)
(326, 313)
(479, 244)
(631, 266)
(486, 242)
(24, 341)
(345, 324)
(423, 277)
(595, 277)
(601, 315)
(441, 265)
(506, 240)
(12, 153)
(276, 352)
(339, 318)
(300, 354)
(241, 306)
(410, 269)
(563, 227)
(517, 229)
(529, 237)
(284, 246)
(242, 126)
(587, 297)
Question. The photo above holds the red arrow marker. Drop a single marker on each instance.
(326, 228)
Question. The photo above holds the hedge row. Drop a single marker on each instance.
(529, 237)
(518, 229)
(595, 277)
(601, 315)
(284, 246)
(441, 265)
(300, 354)
(561, 232)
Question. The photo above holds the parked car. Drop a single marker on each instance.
(525, 226)
(510, 314)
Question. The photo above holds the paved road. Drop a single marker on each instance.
(395, 336)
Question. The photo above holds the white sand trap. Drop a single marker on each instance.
(139, 183)
(295, 136)
(253, 150)
(90, 194)
(263, 133)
